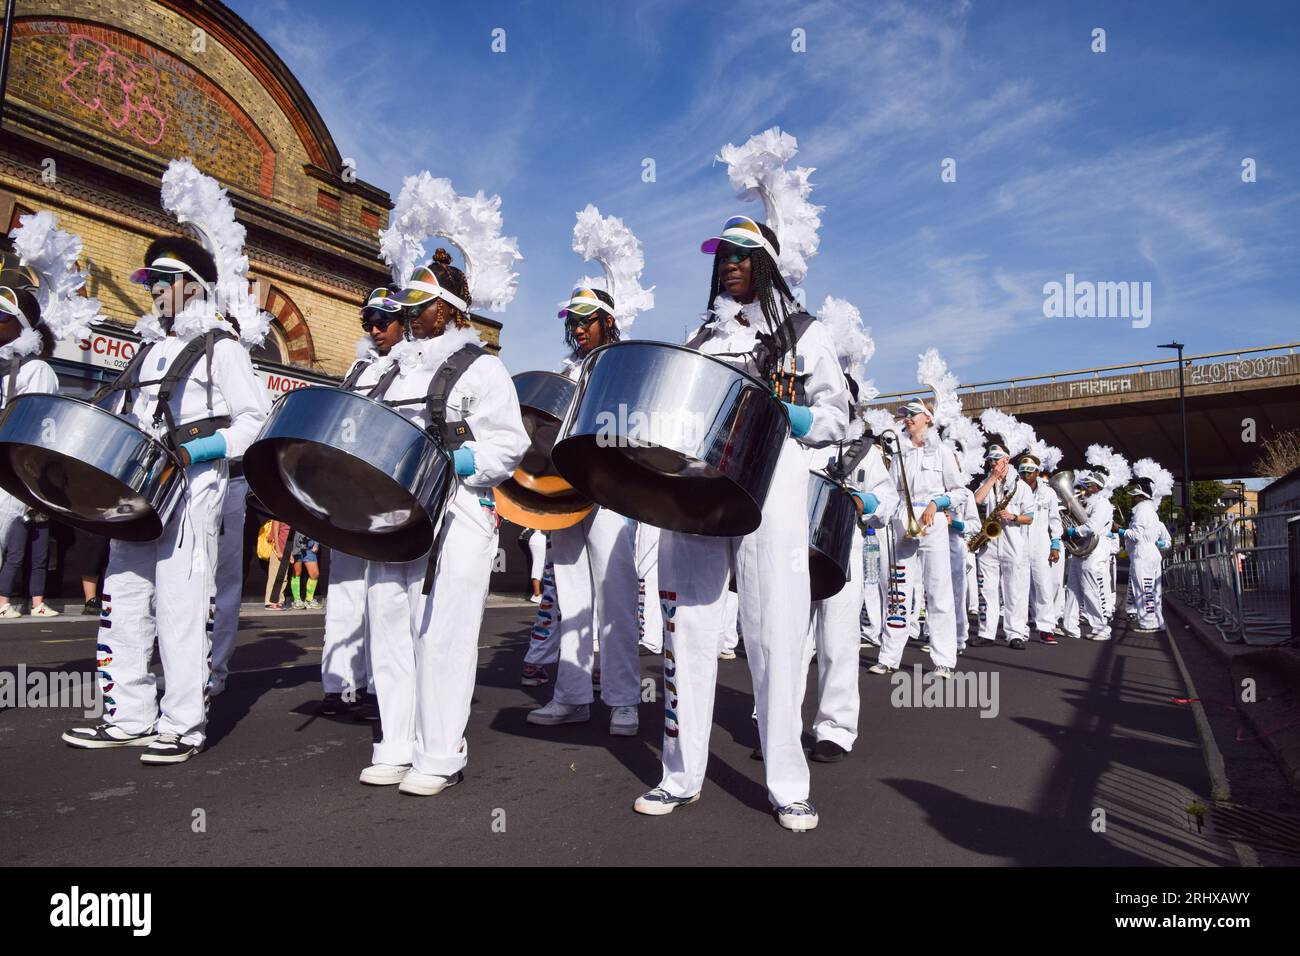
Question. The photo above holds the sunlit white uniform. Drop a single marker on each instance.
(1144, 530)
(922, 564)
(424, 648)
(1087, 579)
(963, 511)
(833, 633)
(164, 589)
(772, 584)
(34, 377)
(1045, 530)
(647, 570)
(1002, 565)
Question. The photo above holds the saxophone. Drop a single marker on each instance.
(991, 530)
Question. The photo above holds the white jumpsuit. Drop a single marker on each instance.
(1002, 565)
(833, 632)
(163, 590)
(345, 657)
(424, 648)
(596, 585)
(1087, 579)
(1144, 530)
(922, 566)
(1044, 535)
(229, 581)
(771, 569)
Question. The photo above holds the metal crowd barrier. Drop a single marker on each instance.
(1238, 574)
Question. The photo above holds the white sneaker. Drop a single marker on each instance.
(726, 655)
(535, 599)
(384, 774)
(623, 721)
(798, 816)
(10, 611)
(659, 802)
(428, 784)
(556, 713)
(44, 610)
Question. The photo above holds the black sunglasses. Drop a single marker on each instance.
(734, 257)
(379, 322)
(577, 321)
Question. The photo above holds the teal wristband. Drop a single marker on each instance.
(205, 449)
(943, 502)
(869, 502)
(801, 419)
(463, 459)
(958, 525)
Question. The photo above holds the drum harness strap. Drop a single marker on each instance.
(15, 363)
(350, 383)
(174, 436)
(787, 384)
(448, 435)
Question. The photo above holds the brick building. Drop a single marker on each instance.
(103, 93)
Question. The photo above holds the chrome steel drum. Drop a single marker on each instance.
(831, 519)
(536, 496)
(351, 473)
(87, 467)
(672, 437)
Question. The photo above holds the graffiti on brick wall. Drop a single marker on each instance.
(123, 89)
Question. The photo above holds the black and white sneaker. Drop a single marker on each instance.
(657, 802)
(168, 748)
(1016, 644)
(106, 735)
(797, 816)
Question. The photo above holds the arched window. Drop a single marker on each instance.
(289, 341)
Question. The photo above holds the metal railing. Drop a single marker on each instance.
(1237, 574)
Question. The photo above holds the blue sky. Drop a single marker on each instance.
(1115, 166)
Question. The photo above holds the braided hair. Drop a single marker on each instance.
(771, 292)
(608, 324)
(454, 281)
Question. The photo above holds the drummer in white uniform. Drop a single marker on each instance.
(748, 297)
(596, 580)
(163, 591)
(424, 639)
(345, 657)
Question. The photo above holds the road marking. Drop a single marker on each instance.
(66, 640)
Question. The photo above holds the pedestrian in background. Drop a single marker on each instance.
(276, 534)
(27, 543)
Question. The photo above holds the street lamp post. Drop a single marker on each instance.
(1182, 411)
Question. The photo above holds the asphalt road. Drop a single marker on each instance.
(1087, 762)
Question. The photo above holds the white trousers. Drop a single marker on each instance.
(922, 569)
(1042, 586)
(833, 634)
(647, 570)
(957, 553)
(596, 586)
(771, 570)
(544, 642)
(1087, 597)
(344, 658)
(229, 578)
(163, 591)
(1003, 577)
(1145, 588)
(730, 620)
(1057, 572)
(537, 552)
(424, 649)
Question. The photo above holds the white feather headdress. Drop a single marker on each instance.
(1015, 433)
(1161, 478)
(611, 243)
(853, 342)
(431, 207)
(970, 458)
(1051, 458)
(51, 253)
(757, 171)
(1113, 462)
(199, 201)
(881, 420)
(932, 372)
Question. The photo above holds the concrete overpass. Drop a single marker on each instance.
(1134, 407)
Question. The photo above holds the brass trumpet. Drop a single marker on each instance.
(914, 528)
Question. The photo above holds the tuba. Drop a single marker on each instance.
(1072, 514)
(914, 529)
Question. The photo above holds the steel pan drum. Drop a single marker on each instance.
(672, 437)
(536, 496)
(832, 516)
(87, 467)
(351, 473)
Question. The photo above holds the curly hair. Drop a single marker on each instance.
(454, 281)
(607, 321)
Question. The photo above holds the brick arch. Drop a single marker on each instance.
(290, 319)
